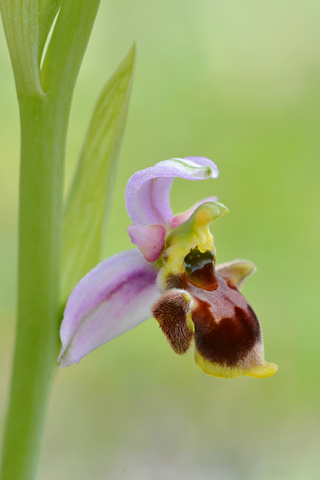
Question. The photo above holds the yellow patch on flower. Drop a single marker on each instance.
(190, 234)
(215, 370)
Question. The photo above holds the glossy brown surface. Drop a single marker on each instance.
(199, 268)
(226, 327)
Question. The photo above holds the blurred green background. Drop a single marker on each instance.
(237, 81)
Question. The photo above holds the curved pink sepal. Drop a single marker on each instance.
(112, 298)
(149, 239)
(148, 191)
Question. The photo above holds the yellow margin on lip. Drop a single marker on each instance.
(215, 370)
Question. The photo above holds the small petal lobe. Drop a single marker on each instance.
(237, 271)
(149, 239)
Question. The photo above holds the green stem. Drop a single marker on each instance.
(43, 135)
(44, 100)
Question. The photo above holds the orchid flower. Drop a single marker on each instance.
(173, 276)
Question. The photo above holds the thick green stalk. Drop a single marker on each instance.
(43, 135)
(44, 100)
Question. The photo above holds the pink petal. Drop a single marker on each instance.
(148, 191)
(182, 217)
(149, 239)
(112, 298)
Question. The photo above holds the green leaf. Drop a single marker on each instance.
(20, 21)
(47, 10)
(67, 45)
(91, 193)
